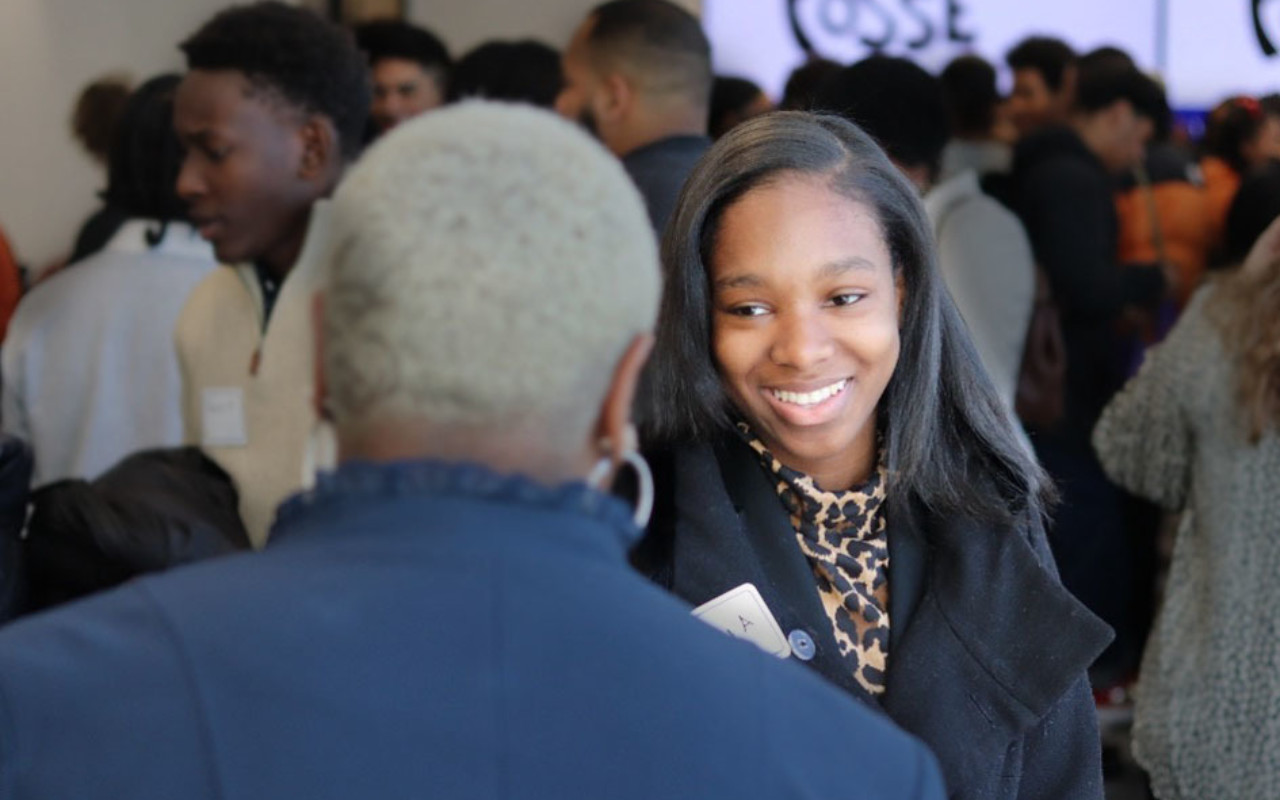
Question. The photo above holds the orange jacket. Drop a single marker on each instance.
(1181, 210)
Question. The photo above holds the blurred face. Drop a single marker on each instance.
(1032, 105)
(242, 175)
(1125, 135)
(805, 324)
(402, 89)
(582, 86)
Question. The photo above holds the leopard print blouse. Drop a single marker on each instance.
(843, 535)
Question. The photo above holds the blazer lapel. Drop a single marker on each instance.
(731, 529)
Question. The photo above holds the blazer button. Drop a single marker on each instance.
(802, 644)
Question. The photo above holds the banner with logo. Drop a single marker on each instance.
(1203, 49)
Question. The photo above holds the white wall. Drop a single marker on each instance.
(48, 50)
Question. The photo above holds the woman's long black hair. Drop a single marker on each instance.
(949, 440)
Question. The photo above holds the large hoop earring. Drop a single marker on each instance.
(644, 481)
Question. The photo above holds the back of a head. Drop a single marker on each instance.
(1049, 56)
(306, 61)
(660, 45)
(97, 112)
(805, 81)
(142, 169)
(971, 96)
(526, 71)
(731, 98)
(897, 102)
(1103, 84)
(491, 265)
(386, 38)
(1230, 125)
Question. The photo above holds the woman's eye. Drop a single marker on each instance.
(847, 298)
(748, 310)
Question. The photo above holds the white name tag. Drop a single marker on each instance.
(222, 417)
(741, 612)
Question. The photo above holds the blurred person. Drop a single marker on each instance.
(1240, 136)
(1044, 79)
(1196, 432)
(983, 252)
(804, 82)
(1255, 206)
(409, 67)
(734, 100)
(638, 76)
(1161, 207)
(90, 374)
(271, 111)
(451, 611)
(525, 71)
(1064, 187)
(94, 119)
(823, 431)
(972, 102)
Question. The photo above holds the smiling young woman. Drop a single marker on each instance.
(821, 428)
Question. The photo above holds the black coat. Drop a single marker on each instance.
(987, 654)
(1066, 200)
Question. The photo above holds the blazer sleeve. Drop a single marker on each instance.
(1144, 438)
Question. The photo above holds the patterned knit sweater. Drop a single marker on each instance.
(1208, 706)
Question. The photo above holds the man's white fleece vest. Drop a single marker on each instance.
(219, 336)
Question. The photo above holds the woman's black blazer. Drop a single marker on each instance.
(988, 652)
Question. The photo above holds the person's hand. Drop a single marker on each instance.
(1265, 252)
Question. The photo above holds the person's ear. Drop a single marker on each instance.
(616, 98)
(615, 421)
(319, 148)
(319, 392)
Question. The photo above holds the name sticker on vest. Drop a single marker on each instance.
(222, 417)
(742, 613)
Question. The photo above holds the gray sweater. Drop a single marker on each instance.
(1208, 705)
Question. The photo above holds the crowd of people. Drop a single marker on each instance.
(408, 424)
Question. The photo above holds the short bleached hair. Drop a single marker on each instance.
(489, 266)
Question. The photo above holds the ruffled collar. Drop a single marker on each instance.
(371, 482)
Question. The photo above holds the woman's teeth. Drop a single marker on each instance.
(810, 398)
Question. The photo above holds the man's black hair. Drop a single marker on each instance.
(663, 42)
(897, 102)
(805, 81)
(389, 38)
(730, 96)
(1046, 55)
(309, 62)
(969, 90)
(1103, 84)
(526, 71)
(145, 155)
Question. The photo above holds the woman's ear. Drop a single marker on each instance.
(615, 422)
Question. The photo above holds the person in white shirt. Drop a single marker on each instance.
(90, 375)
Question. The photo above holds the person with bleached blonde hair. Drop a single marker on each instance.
(450, 613)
